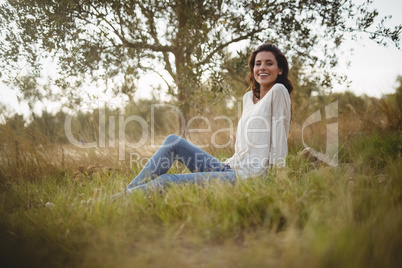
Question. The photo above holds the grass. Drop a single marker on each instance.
(308, 215)
(311, 215)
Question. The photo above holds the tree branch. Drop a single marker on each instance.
(220, 47)
(151, 69)
(150, 16)
(155, 48)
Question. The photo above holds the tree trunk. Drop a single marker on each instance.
(180, 64)
(184, 106)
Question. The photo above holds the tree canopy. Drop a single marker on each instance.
(123, 38)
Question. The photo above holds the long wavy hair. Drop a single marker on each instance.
(282, 64)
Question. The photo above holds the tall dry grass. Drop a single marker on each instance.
(310, 215)
(32, 150)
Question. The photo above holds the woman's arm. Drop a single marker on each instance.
(280, 125)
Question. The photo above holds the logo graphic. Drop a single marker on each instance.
(331, 153)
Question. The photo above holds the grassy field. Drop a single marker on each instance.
(309, 215)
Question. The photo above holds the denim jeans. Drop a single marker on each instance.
(204, 167)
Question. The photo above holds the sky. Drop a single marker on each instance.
(373, 68)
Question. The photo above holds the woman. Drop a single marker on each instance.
(262, 132)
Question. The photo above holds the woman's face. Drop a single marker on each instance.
(266, 70)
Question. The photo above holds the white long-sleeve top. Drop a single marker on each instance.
(262, 133)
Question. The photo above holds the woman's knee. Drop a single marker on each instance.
(172, 139)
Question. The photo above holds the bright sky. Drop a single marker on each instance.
(373, 68)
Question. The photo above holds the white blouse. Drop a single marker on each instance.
(262, 133)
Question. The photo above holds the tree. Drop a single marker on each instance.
(104, 39)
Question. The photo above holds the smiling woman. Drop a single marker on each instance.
(261, 137)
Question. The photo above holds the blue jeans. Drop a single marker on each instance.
(203, 166)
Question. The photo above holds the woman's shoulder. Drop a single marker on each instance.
(248, 95)
(250, 92)
(280, 91)
(278, 87)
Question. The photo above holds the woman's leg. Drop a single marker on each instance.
(199, 177)
(176, 148)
